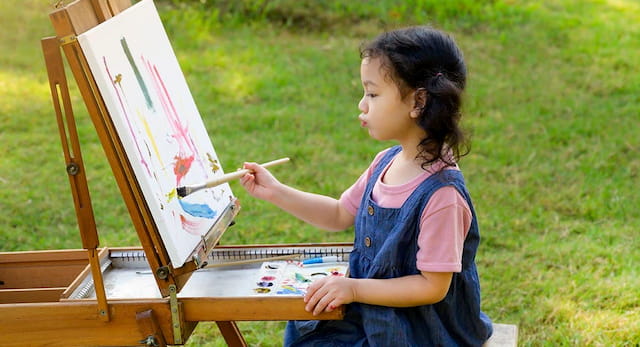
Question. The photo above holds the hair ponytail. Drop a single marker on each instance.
(440, 119)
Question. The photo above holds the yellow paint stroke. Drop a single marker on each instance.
(147, 129)
(213, 163)
(172, 195)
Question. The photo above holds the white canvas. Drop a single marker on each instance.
(158, 123)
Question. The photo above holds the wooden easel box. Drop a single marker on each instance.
(51, 277)
(35, 307)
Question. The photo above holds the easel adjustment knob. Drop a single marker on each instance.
(73, 169)
(162, 272)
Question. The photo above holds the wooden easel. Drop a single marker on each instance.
(35, 307)
(69, 22)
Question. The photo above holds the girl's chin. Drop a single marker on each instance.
(374, 136)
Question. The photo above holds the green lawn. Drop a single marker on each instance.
(553, 105)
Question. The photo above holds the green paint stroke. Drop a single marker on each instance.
(136, 71)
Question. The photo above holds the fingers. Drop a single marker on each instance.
(326, 303)
(327, 294)
(250, 166)
(248, 182)
(246, 178)
(315, 293)
(313, 288)
(318, 302)
(254, 167)
(260, 174)
(332, 306)
(259, 182)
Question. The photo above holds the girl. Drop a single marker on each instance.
(413, 280)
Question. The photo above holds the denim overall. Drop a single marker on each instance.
(385, 246)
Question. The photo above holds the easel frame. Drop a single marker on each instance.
(34, 310)
(68, 22)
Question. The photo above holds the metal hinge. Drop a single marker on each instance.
(175, 314)
(68, 39)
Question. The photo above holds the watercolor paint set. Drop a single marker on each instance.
(293, 278)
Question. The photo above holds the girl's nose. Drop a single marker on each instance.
(362, 105)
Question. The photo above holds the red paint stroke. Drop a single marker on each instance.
(126, 115)
(190, 226)
(181, 166)
(179, 131)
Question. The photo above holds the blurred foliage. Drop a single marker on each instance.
(327, 15)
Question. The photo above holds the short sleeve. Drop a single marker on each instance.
(444, 225)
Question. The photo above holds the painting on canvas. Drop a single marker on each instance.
(158, 123)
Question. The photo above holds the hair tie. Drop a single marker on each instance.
(438, 74)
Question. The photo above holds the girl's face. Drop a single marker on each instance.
(384, 112)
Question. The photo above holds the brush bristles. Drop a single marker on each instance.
(181, 191)
(186, 190)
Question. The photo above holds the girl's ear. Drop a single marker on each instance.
(419, 101)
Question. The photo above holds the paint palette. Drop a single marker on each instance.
(293, 278)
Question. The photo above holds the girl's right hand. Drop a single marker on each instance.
(328, 293)
(259, 183)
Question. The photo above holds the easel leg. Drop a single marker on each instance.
(231, 334)
(75, 168)
(98, 285)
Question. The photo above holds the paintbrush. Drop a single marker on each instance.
(186, 190)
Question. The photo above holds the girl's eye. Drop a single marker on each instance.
(371, 95)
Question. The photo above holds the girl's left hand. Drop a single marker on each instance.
(327, 294)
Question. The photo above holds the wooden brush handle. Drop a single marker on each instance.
(235, 175)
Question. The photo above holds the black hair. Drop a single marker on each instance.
(428, 62)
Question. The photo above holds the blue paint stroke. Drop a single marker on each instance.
(197, 210)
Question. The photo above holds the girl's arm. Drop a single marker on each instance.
(321, 211)
(330, 292)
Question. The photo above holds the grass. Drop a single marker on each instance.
(552, 105)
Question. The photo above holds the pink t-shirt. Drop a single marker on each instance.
(444, 223)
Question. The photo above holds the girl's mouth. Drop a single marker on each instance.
(363, 123)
